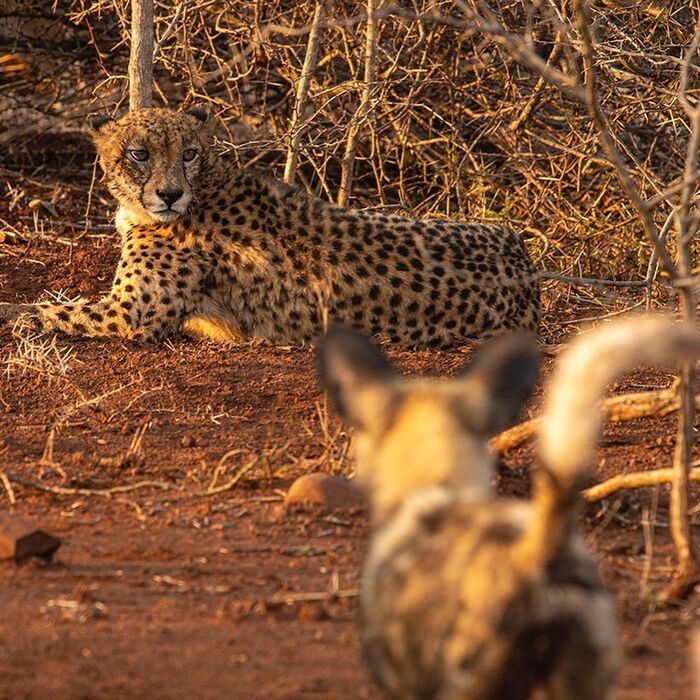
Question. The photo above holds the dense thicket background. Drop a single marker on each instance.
(456, 127)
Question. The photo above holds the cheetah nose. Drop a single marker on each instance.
(169, 196)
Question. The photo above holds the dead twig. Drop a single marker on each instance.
(134, 455)
(314, 597)
(8, 487)
(365, 107)
(616, 409)
(256, 461)
(634, 480)
(310, 60)
(213, 489)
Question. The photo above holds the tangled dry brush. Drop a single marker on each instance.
(447, 123)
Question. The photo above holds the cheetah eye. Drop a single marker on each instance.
(189, 154)
(140, 155)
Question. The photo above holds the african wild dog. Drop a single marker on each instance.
(466, 595)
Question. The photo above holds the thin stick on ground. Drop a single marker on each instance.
(634, 480)
(110, 492)
(213, 489)
(290, 598)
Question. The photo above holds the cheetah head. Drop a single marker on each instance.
(151, 159)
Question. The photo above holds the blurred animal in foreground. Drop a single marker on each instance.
(466, 595)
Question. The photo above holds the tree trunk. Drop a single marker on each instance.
(141, 57)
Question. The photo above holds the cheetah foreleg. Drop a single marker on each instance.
(141, 315)
(102, 318)
(153, 291)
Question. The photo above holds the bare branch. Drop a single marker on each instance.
(583, 24)
(615, 409)
(634, 480)
(687, 569)
(516, 46)
(170, 29)
(591, 281)
(310, 60)
(365, 107)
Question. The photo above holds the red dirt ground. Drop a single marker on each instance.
(171, 593)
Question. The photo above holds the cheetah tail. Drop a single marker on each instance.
(571, 418)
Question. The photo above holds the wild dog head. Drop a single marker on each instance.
(416, 432)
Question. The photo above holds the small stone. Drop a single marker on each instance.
(324, 490)
(21, 538)
(188, 441)
(311, 612)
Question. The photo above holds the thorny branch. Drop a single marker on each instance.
(438, 141)
(365, 107)
(680, 272)
(686, 226)
(307, 72)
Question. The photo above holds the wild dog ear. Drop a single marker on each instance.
(499, 381)
(356, 375)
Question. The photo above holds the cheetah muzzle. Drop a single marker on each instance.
(212, 250)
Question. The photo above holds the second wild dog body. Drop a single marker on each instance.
(465, 595)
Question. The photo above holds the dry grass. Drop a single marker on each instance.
(38, 355)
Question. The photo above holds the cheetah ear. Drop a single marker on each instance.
(499, 381)
(97, 121)
(203, 114)
(205, 119)
(199, 111)
(357, 377)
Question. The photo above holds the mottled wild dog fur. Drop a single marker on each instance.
(212, 250)
(465, 595)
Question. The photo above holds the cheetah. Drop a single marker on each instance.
(466, 595)
(212, 250)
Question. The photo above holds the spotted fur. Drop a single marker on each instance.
(465, 595)
(212, 250)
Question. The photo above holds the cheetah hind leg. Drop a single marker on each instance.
(210, 321)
